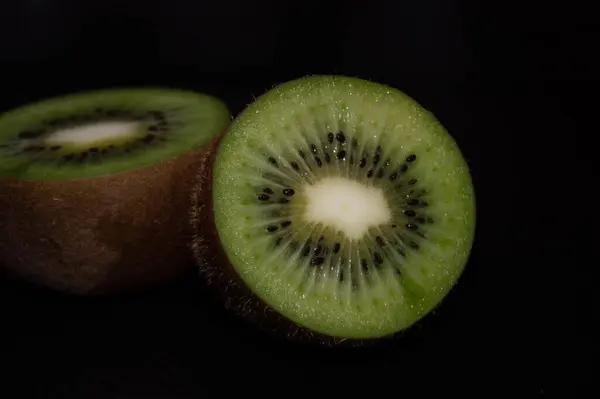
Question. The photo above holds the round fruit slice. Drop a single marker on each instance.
(343, 205)
(94, 186)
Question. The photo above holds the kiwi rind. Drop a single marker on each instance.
(108, 234)
(240, 297)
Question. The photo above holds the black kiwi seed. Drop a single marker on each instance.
(83, 156)
(33, 148)
(55, 148)
(305, 250)
(413, 202)
(284, 201)
(370, 173)
(157, 114)
(148, 138)
(268, 190)
(377, 258)
(409, 213)
(340, 137)
(341, 276)
(411, 158)
(152, 128)
(327, 158)
(104, 151)
(271, 228)
(68, 157)
(288, 192)
(321, 238)
(411, 226)
(330, 137)
(380, 173)
(380, 241)
(336, 247)
(263, 197)
(412, 182)
(302, 154)
(404, 168)
(364, 265)
(317, 261)
(272, 161)
(420, 220)
(393, 176)
(362, 163)
(278, 241)
(313, 148)
(341, 154)
(295, 166)
(318, 162)
(30, 134)
(94, 149)
(413, 245)
(376, 159)
(317, 249)
(286, 223)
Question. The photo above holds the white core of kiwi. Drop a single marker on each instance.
(346, 205)
(90, 134)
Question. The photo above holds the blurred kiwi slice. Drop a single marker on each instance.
(342, 205)
(94, 186)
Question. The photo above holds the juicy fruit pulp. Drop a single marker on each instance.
(344, 205)
(91, 134)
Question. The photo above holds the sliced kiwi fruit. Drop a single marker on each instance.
(95, 186)
(341, 206)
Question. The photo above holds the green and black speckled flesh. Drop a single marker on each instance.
(343, 205)
(157, 124)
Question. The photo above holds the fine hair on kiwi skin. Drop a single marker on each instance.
(331, 130)
(113, 221)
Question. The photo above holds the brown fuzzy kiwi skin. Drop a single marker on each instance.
(221, 279)
(105, 235)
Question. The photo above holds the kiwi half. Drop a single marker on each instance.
(341, 206)
(94, 187)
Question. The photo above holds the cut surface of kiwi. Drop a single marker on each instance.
(344, 205)
(91, 134)
(94, 186)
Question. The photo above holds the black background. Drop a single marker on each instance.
(500, 77)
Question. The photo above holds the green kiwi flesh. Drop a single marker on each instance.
(90, 134)
(343, 205)
(95, 187)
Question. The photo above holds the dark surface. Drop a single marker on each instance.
(498, 77)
